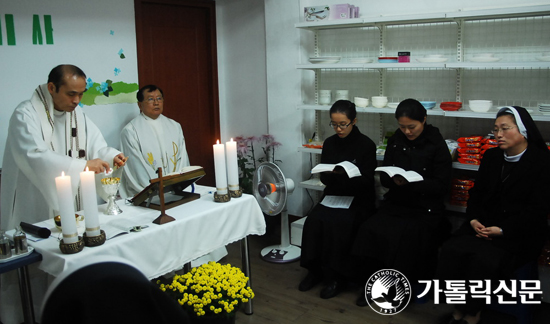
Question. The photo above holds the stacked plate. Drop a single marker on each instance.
(544, 108)
(360, 60)
(450, 105)
(325, 59)
(388, 59)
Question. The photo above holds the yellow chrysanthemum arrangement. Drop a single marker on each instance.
(211, 289)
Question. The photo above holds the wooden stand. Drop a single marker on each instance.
(177, 183)
(163, 218)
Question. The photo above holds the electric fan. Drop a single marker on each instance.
(271, 190)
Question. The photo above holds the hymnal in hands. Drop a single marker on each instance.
(410, 176)
(350, 168)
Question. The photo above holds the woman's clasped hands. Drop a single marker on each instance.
(483, 232)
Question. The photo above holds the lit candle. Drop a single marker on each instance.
(219, 168)
(89, 200)
(66, 208)
(232, 165)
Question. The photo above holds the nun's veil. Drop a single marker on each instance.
(533, 134)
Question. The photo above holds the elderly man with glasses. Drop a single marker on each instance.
(151, 140)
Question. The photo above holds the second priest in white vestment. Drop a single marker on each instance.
(151, 140)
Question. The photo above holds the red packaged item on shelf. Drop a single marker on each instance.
(463, 193)
(469, 150)
(488, 146)
(470, 156)
(461, 187)
(469, 139)
(464, 182)
(469, 161)
(469, 144)
(459, 198)
(490, 141)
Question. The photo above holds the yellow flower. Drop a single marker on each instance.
(209, 289)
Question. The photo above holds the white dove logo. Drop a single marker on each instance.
(388, 292)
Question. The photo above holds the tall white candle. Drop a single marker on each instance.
(89, 200)
(66, 208)
(219, 167)
(232, 165)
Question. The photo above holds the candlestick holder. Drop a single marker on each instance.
(221, 198)
(72, 248)
(97, 240)
(110, 186)
(236, 193)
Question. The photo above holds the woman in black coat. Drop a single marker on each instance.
(507, 211)
(410, 224)
(328, 232)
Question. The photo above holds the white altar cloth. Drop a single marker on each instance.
(201, 226)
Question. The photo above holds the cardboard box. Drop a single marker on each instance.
(340, 11)
(316, 13)
(296, 229)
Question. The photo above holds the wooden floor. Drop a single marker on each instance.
(278, 299)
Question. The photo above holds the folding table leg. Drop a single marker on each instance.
(246, 269)
(26, 296)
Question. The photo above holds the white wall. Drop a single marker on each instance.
(81, 36)
(241, 67)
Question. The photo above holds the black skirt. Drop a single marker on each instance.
(403, 240)
(327, 239)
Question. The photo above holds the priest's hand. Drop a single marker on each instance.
(119, 161)
(97, 165)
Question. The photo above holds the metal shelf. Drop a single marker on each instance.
(463, 113)
(412, 66)
(522, 11)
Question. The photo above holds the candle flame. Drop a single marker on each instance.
(218, 142)
(231, 139)
(62, 173)
(87, 169)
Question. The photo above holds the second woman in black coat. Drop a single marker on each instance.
(410, 224)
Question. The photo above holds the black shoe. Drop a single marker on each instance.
(333, 289)
(310, 281)
(361, 300)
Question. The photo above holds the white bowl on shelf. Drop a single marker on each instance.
(379, 101)
(361, 102)
(480, 105)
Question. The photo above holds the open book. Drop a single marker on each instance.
(410, 176)
(350, 168)
(120, 226)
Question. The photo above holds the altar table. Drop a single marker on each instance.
(200, 227)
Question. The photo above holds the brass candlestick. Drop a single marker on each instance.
(97, 240)
(236, 193)
(222, 198)
(72, 248)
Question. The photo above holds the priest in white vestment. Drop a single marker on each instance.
(152, 140)
(47, 135)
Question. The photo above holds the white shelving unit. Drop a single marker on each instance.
(516, 35)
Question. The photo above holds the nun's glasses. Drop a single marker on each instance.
(503, 129)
